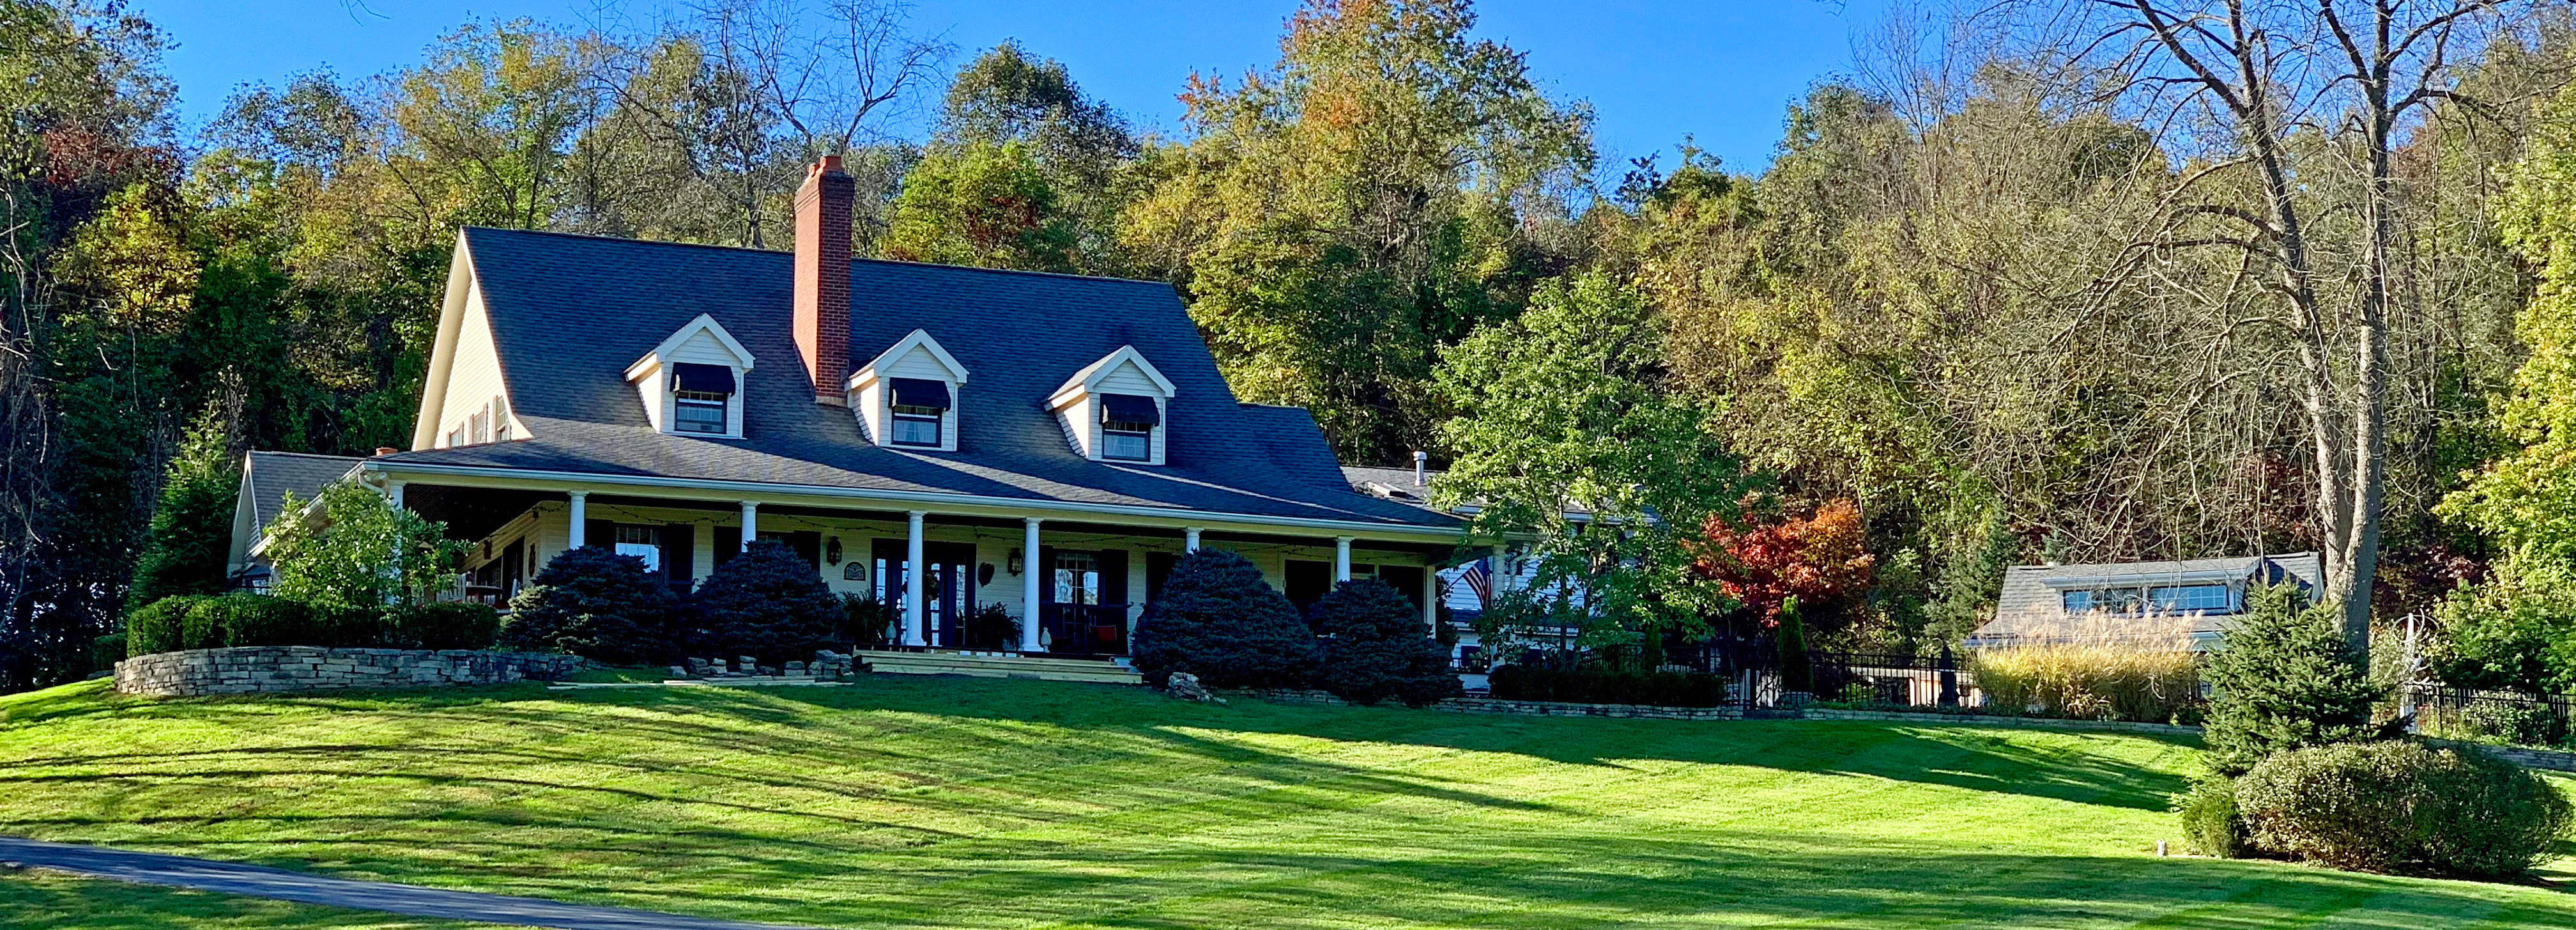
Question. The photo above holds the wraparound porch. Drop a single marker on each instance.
(1087, 577)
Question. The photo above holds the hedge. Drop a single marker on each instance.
(192, 621)
(1592, 686)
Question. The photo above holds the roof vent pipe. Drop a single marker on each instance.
(1421, 461)
(822, 324)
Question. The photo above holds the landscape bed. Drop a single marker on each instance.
(943, 802)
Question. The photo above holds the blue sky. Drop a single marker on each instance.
(1719, 70)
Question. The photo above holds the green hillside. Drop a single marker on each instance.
(970, 803)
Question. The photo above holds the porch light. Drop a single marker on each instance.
(832, 551)
(1016, 563)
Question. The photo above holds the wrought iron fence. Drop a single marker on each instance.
(2492, 715)
(1890, 679)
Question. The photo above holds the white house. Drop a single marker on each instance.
(942, 437)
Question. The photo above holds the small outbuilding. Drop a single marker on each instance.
(2193, 600)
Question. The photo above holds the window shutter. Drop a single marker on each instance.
(1113, 576)
(807, 544)
(679, 554)
(601, 533)
(1046, 580)
(1158, 566)
(1406, 580)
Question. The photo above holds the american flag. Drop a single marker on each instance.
(1479, 577)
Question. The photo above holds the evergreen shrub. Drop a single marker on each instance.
(592, 602)
(2402, 807)
(767, 603)
(1219, 619)
(2284, 678)
(1375, 647)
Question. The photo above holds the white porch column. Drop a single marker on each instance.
(913, 573)
(750, 523)
(1341, 559)
(1189, 539)
(580, 518)
(1431, 597)
(1501, 574)
(1031, 609)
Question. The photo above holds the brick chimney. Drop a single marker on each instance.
(823, 277)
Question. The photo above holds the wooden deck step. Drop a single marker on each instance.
(998, 666)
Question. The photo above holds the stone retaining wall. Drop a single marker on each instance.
(268, 669)
(1478, 705)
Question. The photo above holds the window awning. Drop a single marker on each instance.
(919, 392)
(701, 378)
(1130, 408)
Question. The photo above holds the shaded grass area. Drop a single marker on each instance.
(980, 803)
(62, 902)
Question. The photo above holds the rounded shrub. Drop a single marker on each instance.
(160, 626)
(1375, 647)
(440, 626)
(592, 602)
(2211, 824)
(766, 603)
(2402, 807)
(1218, 619)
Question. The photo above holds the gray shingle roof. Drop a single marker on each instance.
(2028, 606)
(570, 313)
(267, 476)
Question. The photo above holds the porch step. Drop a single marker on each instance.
(999, 666)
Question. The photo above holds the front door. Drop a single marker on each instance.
(948, 586)
(1086, 592)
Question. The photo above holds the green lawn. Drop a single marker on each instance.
(971, 803)
(62, 902)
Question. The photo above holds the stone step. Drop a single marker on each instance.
(1044, 669)
(1011, 659)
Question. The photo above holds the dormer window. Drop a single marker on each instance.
(918, 407)
(702, 398)
(1127, 423)
(906, 397)
(1113, 409)
(691, 384)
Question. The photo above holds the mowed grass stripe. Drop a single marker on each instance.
(985, 803)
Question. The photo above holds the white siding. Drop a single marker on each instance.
(653, 383)
(474, 376)
(876, 402)
(1128, 379)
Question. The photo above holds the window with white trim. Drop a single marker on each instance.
(702, 398)
(1127, 423)
(918, 406)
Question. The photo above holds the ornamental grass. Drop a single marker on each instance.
(2137, 669)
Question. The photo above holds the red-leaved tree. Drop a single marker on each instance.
(1762, 561)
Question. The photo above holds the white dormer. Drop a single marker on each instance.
(906, 397)
(1112, 410)
(692, 383)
